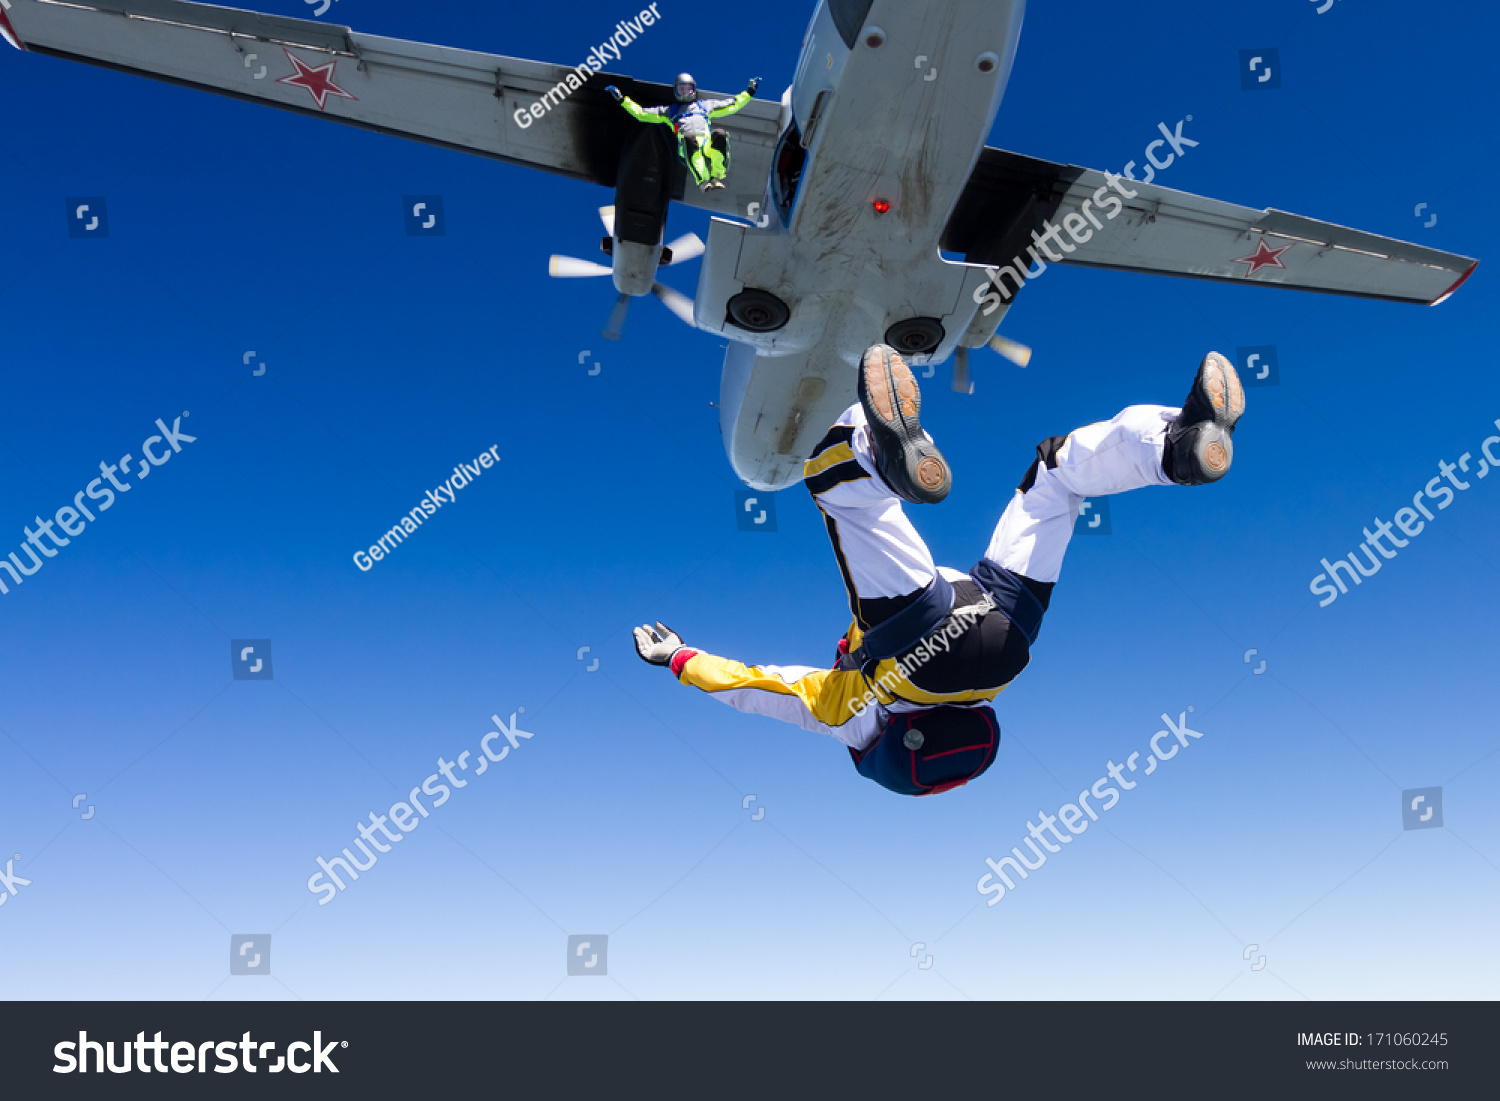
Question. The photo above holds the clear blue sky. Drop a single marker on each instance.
(391, 359)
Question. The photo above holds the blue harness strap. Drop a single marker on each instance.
(1012, 598)
(906, 628)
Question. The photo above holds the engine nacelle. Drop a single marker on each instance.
(642, 196)
(635, 266)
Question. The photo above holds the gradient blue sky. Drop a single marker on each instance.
(392, 358)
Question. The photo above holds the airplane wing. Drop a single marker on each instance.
(1168, 232)
(472, 102)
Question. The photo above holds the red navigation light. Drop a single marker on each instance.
(882, 206)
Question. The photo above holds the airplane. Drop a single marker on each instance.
(842, 198)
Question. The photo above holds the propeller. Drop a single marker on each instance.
(617, 316)
(680, 304)
(687, 247)
(961, 382)
(570, 267)
(1012, 350)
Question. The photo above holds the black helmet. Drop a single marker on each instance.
(685, 88)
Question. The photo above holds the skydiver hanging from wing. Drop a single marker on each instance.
(930, 648)
(705, 152)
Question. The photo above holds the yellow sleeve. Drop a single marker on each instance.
(636, 111)
(723, 107)
(830, 701)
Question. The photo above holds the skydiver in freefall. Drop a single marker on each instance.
(930, 648)
(704, 150)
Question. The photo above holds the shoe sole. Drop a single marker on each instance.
(1225, 391)
(1221, 384)
(893, 399)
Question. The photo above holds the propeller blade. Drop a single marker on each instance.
(568, 267)
(680, 304)
(1017, 353)
(617, 317)
(687, 247)
(607, 216)
(961, 383)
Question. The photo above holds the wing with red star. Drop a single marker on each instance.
(474, 102)
(1108, 222)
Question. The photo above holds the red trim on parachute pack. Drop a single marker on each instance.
(938, 789)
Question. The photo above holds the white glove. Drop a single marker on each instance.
(657, 645)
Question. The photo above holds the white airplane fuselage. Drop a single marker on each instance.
(893, 126)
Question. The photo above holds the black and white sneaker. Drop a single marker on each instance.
(1198, 447)
(906, 457)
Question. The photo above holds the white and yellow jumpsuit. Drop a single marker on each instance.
(885, 564)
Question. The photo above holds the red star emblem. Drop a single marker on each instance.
(318, 81)
(1264, 257)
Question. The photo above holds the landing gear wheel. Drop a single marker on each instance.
(758, 311)
(916, 336)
